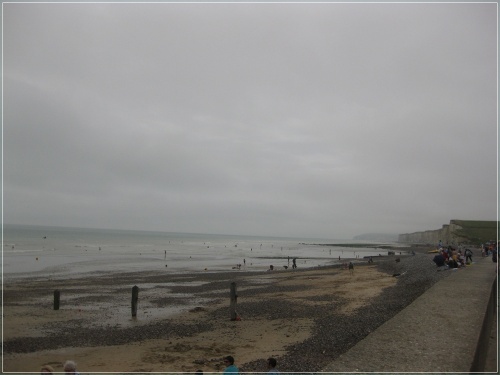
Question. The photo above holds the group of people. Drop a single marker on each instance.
(452, 258)
(69, 369)
(232, 369)
(490, 248)
(349, 266)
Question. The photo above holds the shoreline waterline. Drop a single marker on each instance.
(29, 250)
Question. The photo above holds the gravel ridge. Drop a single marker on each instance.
(335, 333)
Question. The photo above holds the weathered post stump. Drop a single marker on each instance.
(135, 298)
(57, 298)
(234, 297)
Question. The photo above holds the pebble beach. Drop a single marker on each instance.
(305, 317)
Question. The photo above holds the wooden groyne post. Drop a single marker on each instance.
(135, 298)
(57, 299)
(234, 298)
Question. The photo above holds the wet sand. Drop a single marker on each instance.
(304, 318)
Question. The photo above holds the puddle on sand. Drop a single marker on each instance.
(121, 316)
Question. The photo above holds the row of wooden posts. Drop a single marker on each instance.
(135, 300)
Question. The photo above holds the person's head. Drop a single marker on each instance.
(46, 369)
(228, 360)
(271, 362)
(69, 366)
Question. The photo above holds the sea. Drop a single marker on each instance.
(64, 252)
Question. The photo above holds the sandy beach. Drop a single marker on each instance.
(305, 318)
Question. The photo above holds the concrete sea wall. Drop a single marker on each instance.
(420, 337)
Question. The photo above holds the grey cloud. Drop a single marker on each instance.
(278, 119)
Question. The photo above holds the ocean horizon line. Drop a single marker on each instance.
(144, 231)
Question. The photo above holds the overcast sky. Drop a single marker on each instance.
(304, 120)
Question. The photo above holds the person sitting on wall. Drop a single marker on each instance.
(452, 263)
(461, 258)
(439, 260)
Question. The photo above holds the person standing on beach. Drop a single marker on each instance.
(468, 255)
(351, 268)
(294, 263)
(230, 367)
(271, 365)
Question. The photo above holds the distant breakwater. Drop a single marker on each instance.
(356, 245)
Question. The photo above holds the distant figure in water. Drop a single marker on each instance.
(351, 268)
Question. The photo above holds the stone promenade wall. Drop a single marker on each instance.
(419, 338)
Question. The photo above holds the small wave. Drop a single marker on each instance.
(19, 251)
